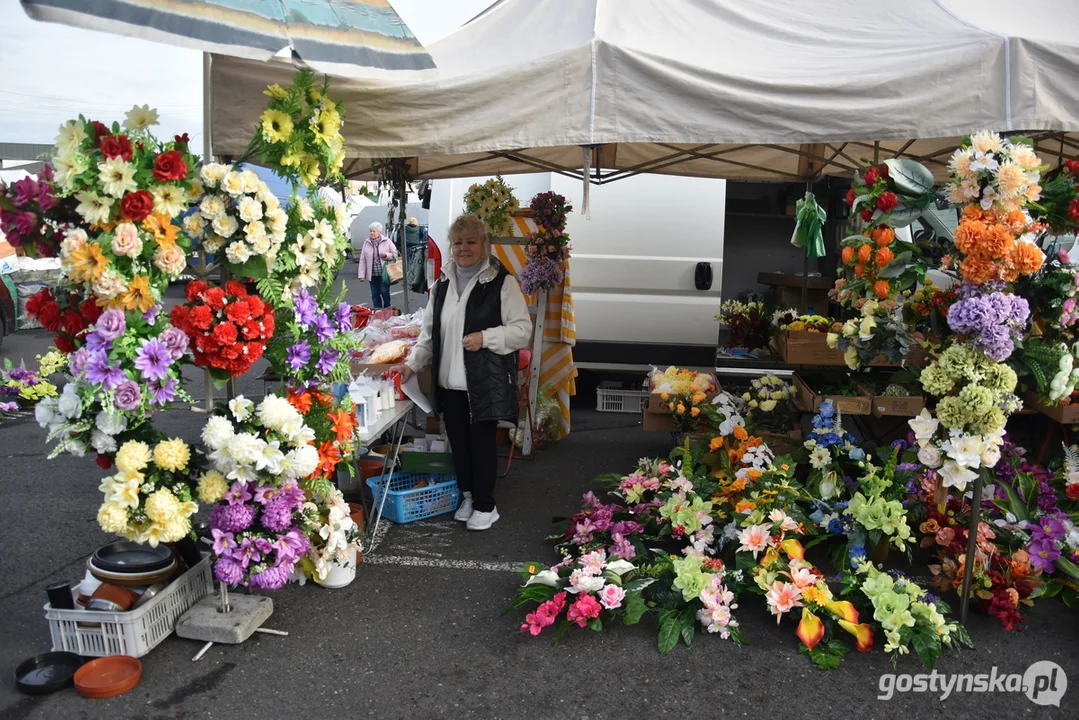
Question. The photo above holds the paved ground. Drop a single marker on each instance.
(420, 632)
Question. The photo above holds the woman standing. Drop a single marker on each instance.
(475, 322)
(377, 250)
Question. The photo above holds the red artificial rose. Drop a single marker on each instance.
(100, 131)
(1073, 491)
(136, 206)
(37, 301)
(170, 166)
(225, 333)
(116, 146)
(72, 322)
(871, 176)
(867, 215)
(201, 317)
(238, 312)
(884, 171)
(49, 316)
(887, 201)
(90, 310)
(850, 197)
(235, 287)
(1073, 210)
(215, 298)
(194, 289)
(64, 344)
(103, 461)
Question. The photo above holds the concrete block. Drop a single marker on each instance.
(204, 621)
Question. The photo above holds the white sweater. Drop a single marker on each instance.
(513, 334)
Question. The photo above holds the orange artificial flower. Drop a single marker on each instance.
(699, 397)
(302, 402)
(1011, 274)
(968, 236)
(695, 412)
(859, 269)
(139, 296)
(754, 474)
(88, 262)
(740, 433)
(883, 236)
(997, 242)
(1027, 258)
(716, 444)
(865, 252)
(744, 506)
(328, 459)
(973, 212)
(884, 256)
(344, 425)
(681, 409)
(160, 224)
(848, 255)
(977, 270)
(1020, 564)
(737, 486)
(930, 527)
(881, 288)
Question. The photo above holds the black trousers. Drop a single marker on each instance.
(473, 445)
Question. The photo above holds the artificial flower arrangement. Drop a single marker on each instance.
(66, 313)
(770, 404)
(548, 249)
(228, 328)
(995, 173)
(333, 535)
(150, 499)
(239, 214)
(260, 454)
(129, 367)
(334, 424)
(32, 218)
(493, 203)
(1052, 294)
(299, 136)
(925, 312)
(748, 324)
(312, 344)
(686, 394)
(879, 331)
(313, 251)
(828, 446)
(24, 387)
(129, 187)
(1058, 206)
(791, 321)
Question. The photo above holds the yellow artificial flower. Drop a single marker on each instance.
(309, 170)
(111, 517)
(160, 224)
(88, 262)
(172, 455)
(133, 456)
(162, 507)
(275, 91)
(139, 296)
(276, 125)
(212, 487)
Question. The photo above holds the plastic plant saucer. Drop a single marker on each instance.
(124, 556)
(108, 676)
(47, 673)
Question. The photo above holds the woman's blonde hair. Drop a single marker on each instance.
(469, 225)
(413, 221)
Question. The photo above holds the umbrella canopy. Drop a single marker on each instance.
(782, 90)
(349, 38)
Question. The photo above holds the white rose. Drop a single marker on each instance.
(45, 412)
(304, 460)
(70, 405)
(77, 448)
(111, 423)
(991, 456)
(929, 456)
(768, 405)
(103, 442)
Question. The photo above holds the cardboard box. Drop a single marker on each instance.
(376, 370)
(895, 406)
(9, 261)
(861, 404)
(1063, 414)
(800, 347)
(655, 422)
(658, 406)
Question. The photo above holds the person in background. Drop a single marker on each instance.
(416, 247)
(474, 323)
(377, 251)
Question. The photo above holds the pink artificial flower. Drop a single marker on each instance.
(1063, 257)
(754, 538)
(593, 562)
(584, 609)
(651, 484)
(782, 598)
(1068, 306)
(545, 615)
(622, 548)
(611, 596)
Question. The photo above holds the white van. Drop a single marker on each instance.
(646, 270)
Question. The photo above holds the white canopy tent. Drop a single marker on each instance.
(776, 90)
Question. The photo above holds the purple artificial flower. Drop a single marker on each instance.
(277, 515)
(626, 527)
(263, 545)
(77, 362)
(324, 330)
(100, 372)
(228, 571)
(153, 359)
(162, 392)
(273, 578)
(25, 222)
(127, 395)
(8, 407)
(223, 542)
(1051, 527)
(622, 548)
(265, 493)
(327, 359)
(583, 534)
(232, 518)
(298, 541)
(1043, 554)
(540, 274)
(176, 341)
(238, 493)
(25, 190)
(993, 321)
(343, 316)
(299, 355)
(95, 341)
(246, 553)
(286, 555)
(293, 494)
(150, 315)
(111, 324)
(305, 307)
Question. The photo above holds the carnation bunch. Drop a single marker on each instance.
(263, 451)
(313, 344)
(790, 320)
(150, 498)
(748, 323)
(298, 136)
(239, 214)
(995, 246)
(313, 251)
(129, 188)
(65, 313)
(227, 327)
(33, 218)
(493, 203)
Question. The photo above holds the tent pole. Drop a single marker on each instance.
(403, 214)
(207, 157)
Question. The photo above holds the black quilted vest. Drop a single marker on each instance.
(491, 378)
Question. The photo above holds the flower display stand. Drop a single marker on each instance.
(226, 619)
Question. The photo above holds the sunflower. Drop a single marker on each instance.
(139, 295)
(276, 126)
(88, 262)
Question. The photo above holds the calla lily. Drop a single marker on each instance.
(862, 633)
(810, 630)
(544, 577)
(619, 567)
(843, 610)
(793, 548)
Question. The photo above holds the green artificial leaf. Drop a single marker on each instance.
(926, 644)
(595, 624)
(689, 625)
(638, 584)
(904, 214)
(219, 377)
(254, 268)
(899, 265)
(1026, 484)
(669, 631)
(635, 608)
(1068, 568)
(858, 201)
(560, 632)
(1070, 598)
(910, 176)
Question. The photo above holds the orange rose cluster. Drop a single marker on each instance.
(987, 239)
(867, 258)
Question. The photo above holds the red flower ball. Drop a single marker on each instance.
(170, 166)
(871, 176)
(238, 312)
(201, 317)
(49, 316)
(867, 215)
(116, 146)
(851, 197)
(215, 298)
(136, 206)
(64, 344)
(73, 323)
(887, 201)
(90, 310)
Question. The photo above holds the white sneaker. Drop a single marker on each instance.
(464, 512)
(482, 520)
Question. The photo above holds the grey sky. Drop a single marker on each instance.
(53, 72)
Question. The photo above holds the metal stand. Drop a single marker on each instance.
(388, 463)
(972, 545)
(537, 361)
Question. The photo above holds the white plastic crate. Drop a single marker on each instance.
(612, 398)
(93, 633)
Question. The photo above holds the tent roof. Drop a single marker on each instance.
(783, 90)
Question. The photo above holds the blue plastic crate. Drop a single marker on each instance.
(407, 503)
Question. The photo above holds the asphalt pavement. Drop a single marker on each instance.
(420, 633)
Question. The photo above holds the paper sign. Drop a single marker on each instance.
(412, 390)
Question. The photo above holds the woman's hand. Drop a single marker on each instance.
(387, 256)
(473, 341)
(403, 370)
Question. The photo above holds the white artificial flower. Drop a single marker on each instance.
(544, 577)
(69, 167)
(213, 173)
(340, 216)
(225, 225)
(299, 435)
(245, 448)
(820, 457)
(212, 207)
(103, 442)
(70, 136)
(261, 245)
(304, 460)
(194, 225)
(990, 456)
(170, 198)
(768, 405)
(241, 407)
(986, 142)
(581, 582)
(253, 183)
(237, 252)
(619, 567)
(271, 458)
(233, 183)
(954, 475)
(966, 450)
(45, 411)
(255, 231)
(924, 427)
(274, 412)
(276, 221)
(217, 432)
(140, 117)
(929, 456)
(69, 404)
(111, 423)
(117, 176)
(213, 243)
(307, 213)
(828, 487)
(250, 209)
(94, 208)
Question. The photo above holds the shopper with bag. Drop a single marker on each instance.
(377, 254)
(475, 322)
